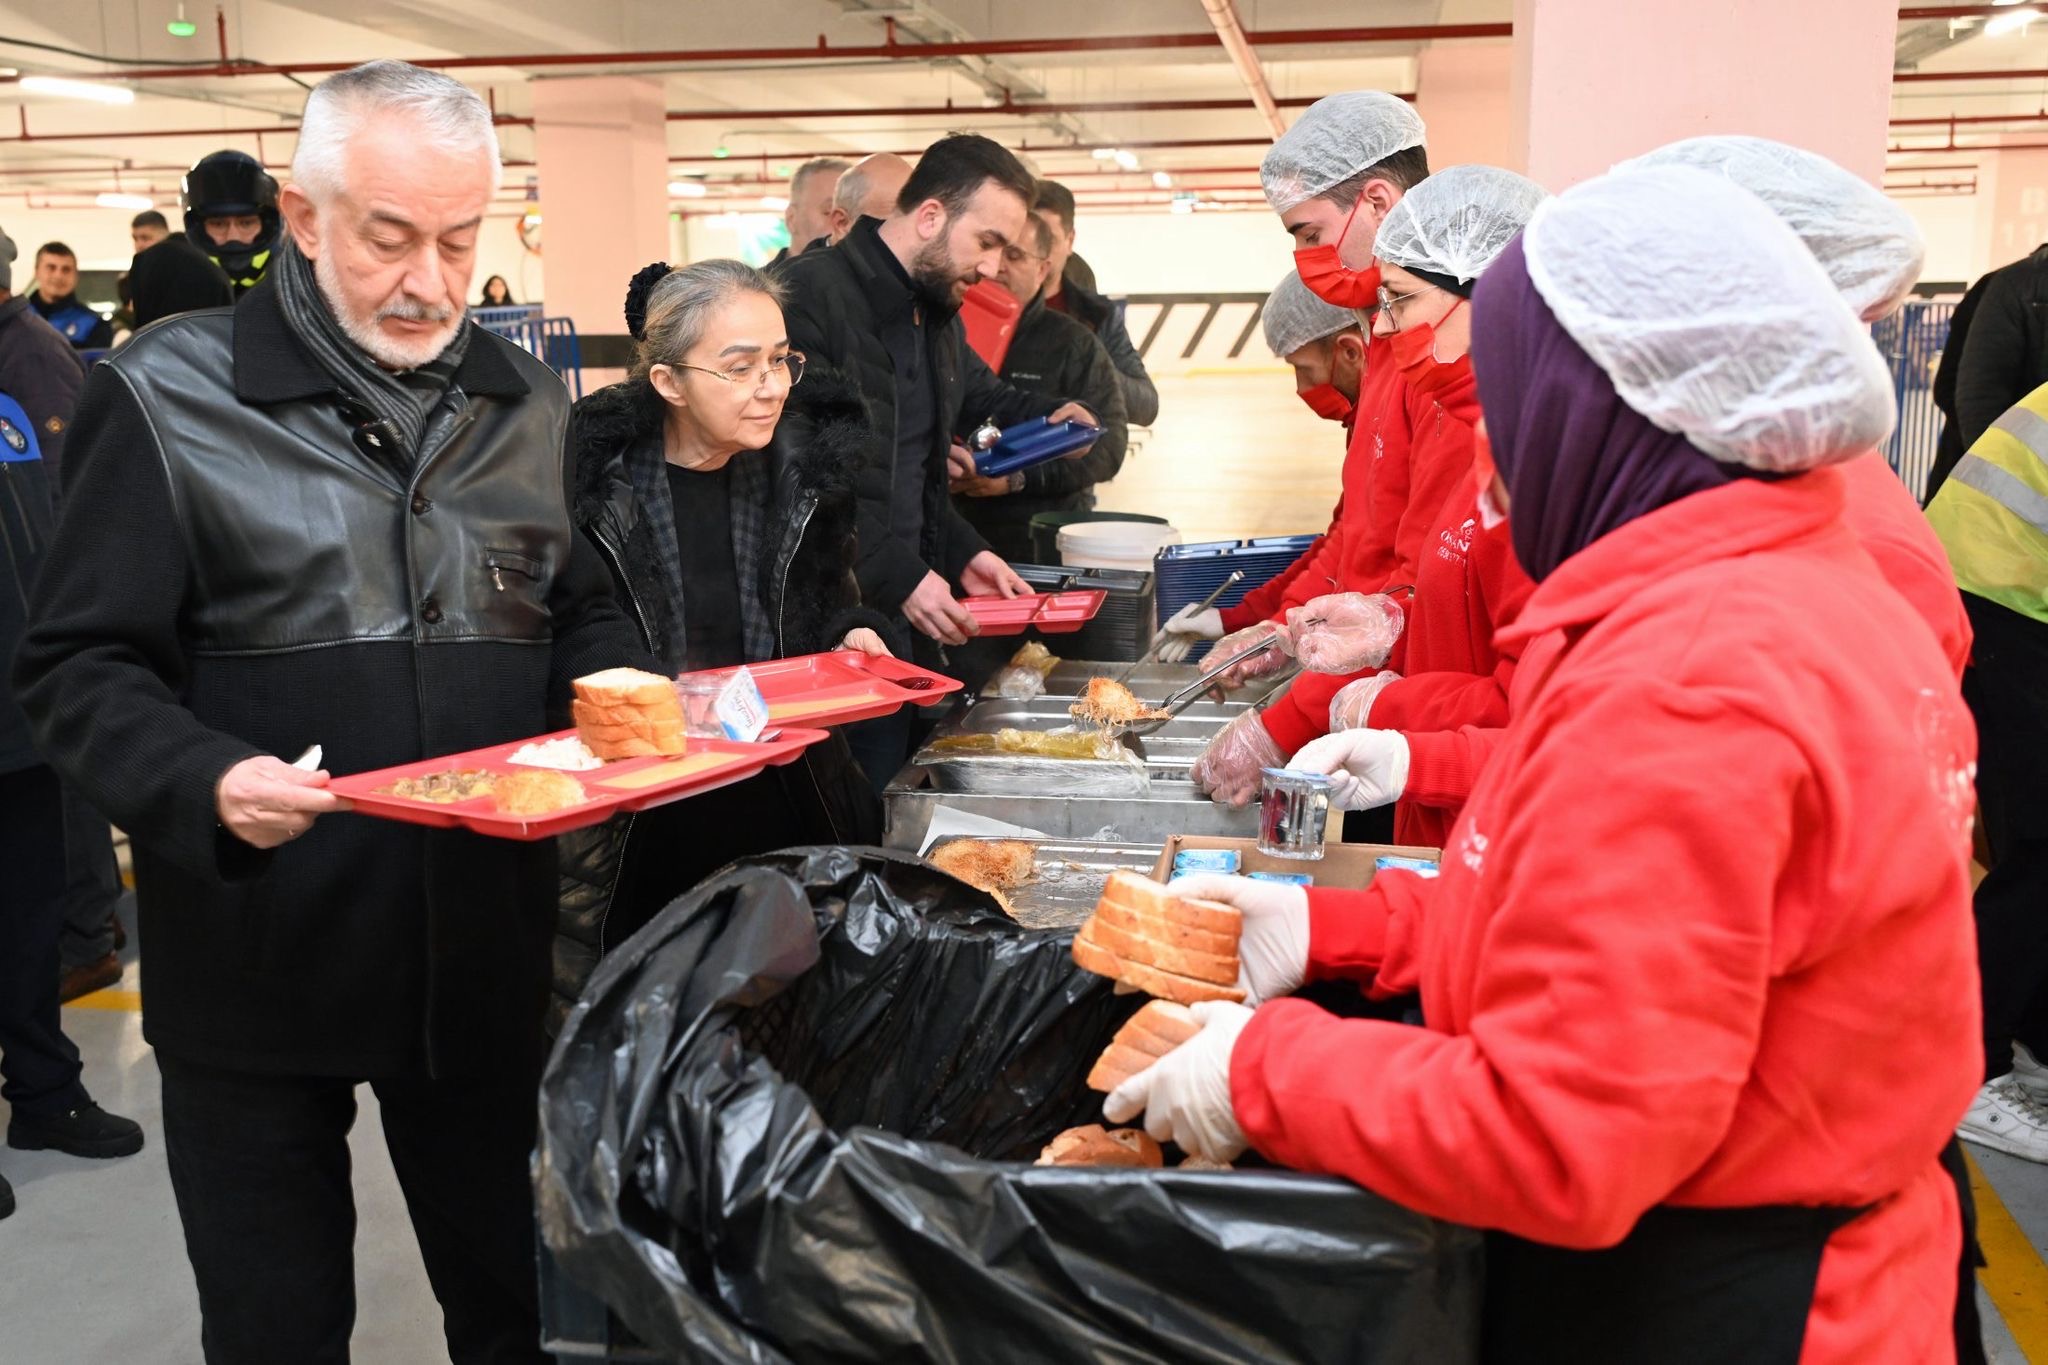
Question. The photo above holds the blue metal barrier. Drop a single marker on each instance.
(511, 312)
(1911, 341)
(553, 340)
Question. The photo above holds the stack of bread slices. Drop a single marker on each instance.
(1146, 1036)
(628, 713)
(1173, 947)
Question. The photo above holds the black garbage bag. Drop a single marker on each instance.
(788, 1121)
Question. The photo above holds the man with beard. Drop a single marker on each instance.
(334, 517)
(883, 308)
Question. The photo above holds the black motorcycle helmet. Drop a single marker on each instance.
(227, 183)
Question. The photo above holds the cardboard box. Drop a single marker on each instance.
(1347, 866)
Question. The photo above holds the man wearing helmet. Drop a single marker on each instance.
(230, 205)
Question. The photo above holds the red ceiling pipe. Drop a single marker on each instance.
(1951, 120)
(1914, 77)
(1914, 12)
(1043, 149)
(826, 52)
(1007, 107)
(27, 136)
(220, 29)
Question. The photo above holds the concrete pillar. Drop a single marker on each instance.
(1596, 81)
(2012, 196)
(1461, 91)
(602, 147)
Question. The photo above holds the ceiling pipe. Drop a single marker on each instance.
(1908, 13)
(827, 52)
(1032, 109)
(125, 133)
(1917, 77)
(1230, 32)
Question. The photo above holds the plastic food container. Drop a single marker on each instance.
(1114, 544)
(1294, 812)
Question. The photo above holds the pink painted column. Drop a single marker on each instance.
(1597, 81)
(1461, 91)
(602, 147)
(2012, 218)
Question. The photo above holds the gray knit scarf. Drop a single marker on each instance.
(405, 399)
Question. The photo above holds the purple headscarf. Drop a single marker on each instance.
(1578, 462)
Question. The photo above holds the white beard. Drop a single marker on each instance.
(394, 355)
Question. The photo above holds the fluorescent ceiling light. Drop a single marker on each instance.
(2011, 22)
(686, 189)
(1161, 180)
(124, 201)
(1127, 160)
(78, 90)
(774, 201)
(1102, 153)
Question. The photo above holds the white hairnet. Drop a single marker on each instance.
(1711, 317)
(1868, 245)
(1457, 221)
(1294, 317)
(1334, 139)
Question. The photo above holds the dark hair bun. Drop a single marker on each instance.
(636, 297)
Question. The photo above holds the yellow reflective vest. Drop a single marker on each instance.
(1992, 514)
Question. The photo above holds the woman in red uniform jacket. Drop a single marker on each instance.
(1662, 1060)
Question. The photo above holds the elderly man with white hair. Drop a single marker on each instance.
(333, 517)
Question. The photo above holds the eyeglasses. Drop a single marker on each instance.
(790, 364)
(1387, 300)
(1017, 255)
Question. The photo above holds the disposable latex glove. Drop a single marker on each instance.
(1187, 626)
(1272, 953)
(1185, 1095)
(1351, 708)
(1345, 632)
(1228, 769)
(1259, 665)
(1367, 768)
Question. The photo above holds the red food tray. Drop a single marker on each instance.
(1053, 613)
(707, 765)
(845, 685)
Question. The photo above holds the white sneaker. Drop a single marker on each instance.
(2029, 1074)
(2005, 1118)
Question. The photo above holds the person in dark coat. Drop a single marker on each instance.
(883, 308)
(1055, 355)
(728, 525)
(1071, 290)
(38, 368)
(336, 515)
(2005, 351)
(1949, 448)
(174, 276)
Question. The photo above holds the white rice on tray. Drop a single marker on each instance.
(565, 754)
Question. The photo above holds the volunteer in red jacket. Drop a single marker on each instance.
(1663, 1058)
(1872, 251)
(1332, 178)
(1325, 347)
(1432, 250)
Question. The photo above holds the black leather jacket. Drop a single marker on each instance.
(814, 600)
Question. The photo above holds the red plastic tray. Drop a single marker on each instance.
(845, 685)
(730, 762)
(1053, 613)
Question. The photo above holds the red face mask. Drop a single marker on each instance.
(1330, 280)
(1415, 356)
(1490, 513)
(1328, 402)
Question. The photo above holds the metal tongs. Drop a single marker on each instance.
(1187, 696)
(1236, 577)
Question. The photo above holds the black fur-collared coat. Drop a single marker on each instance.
(615, 876)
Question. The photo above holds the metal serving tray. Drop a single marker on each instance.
(1070, 878)
(1170, 808)
(1151, 681)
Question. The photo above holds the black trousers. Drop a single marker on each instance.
(38, 1062)
(92, 883)
(2007, 689)
(260, 1168)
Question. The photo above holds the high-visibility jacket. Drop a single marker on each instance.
(1992, 514)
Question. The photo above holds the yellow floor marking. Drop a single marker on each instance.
(2013, 1276)
(112, 998)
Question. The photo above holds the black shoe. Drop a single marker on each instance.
(87, 1130)
(6, 1197)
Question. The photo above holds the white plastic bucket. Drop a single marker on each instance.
(1114, 544)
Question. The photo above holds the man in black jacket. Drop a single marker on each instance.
(335, 516)
(2005, 354)
(883, 308)
(1071, 290)
(1053, 355)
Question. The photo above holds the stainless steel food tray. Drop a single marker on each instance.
(1151, 681)
(1167, 755)
(1170, 808)
(1070, 878)
(1027, 773)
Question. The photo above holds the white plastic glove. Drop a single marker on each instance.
(1345, 632)
(1272, 952)
(1228, 769)
(1187, 626)
(1259, 665)
(1185, 1095)
(1351, 708)
(1368, 768)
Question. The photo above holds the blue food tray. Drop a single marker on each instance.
(1189, 573)
(1033, 442)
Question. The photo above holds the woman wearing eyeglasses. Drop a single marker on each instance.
(728, 523)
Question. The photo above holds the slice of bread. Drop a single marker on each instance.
(611, 750)
(1093, 1145)
(1165, 930)
(1116, 1065)
(1212, 967)
(1159, 1028)
(1093, 957)
(627, 687)
(1142, 895)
